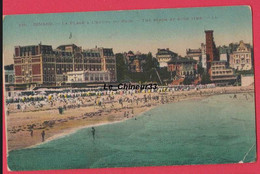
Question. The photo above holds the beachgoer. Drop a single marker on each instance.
(43, 135)
(93, 132)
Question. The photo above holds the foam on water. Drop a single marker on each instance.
(218, 129)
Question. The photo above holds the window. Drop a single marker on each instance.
(6, 78)
(86, 77)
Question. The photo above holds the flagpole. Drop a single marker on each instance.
(70, 37)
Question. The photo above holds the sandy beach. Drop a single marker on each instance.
(24, 128)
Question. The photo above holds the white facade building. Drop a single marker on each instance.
(194, 54)
(203, 56)
(88, 76)
(241, 58)
(164, 56)
(221, 74)
(224, 57)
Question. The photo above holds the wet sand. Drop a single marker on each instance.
(57, 125)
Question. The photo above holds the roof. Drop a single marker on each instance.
(165, 52)
(208, 31)
(65, 45)
(62, 47)
(193, 51)
(27, 46)
(9, 67)
(181, 60)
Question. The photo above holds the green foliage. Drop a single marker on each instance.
(200, 69)
(121, 68)
(150, 63)
(205, 79)
(165, 75)
(149, 67)
(187, 81)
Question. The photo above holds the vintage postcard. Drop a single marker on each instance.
(129, 88)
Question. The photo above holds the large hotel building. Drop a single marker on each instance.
(43, 65)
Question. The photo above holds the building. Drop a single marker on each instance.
(223, 57)
(194, 54)
(134, 61)
(164, 56)
(88, 77)
(184, 67)
(221, 74)
(41, 65)
(203, 56)
(224, 53)
(9, 79)
(241, 58)
(135, 66)
(9, 74)
(211, 50)
(199, 55)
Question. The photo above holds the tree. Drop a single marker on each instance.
(187, 81)
(150, 63)
(205, 79)
(121, 68)
(165, 75)
(200, 69)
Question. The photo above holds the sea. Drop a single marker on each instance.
(214, 130)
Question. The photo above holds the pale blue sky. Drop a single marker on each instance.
(230, 24)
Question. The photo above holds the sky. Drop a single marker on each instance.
(136, 30)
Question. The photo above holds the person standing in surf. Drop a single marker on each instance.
(43, 135)
(93, 132)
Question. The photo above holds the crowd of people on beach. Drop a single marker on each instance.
(36, 101)
(103, 103)
(63, 100)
